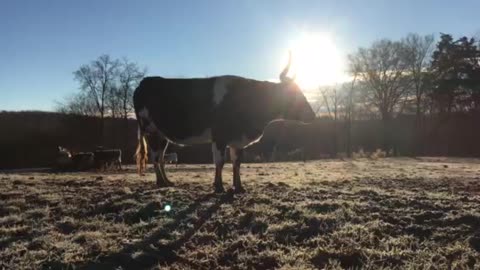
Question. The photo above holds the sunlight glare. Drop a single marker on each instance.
(316, 61)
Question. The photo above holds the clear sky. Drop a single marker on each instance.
(43, 41)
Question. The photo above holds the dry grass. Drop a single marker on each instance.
(364, 213)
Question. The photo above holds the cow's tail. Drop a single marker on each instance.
(141, 154)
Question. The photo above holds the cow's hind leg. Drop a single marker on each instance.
(236, 155)
(219, 160)
(162, 166)
(157, 146)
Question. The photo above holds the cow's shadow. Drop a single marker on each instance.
(149, 252)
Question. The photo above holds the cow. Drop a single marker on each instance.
(104, 158)
(83, 161)
(258, 159)
(171, 158)
(63, 160)
(226, 111)
(68, 160)
(297, 154)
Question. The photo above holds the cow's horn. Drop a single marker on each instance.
(283, 75)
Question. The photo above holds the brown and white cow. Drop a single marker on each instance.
(226, 111)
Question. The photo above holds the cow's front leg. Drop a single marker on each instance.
(236, 156)
(219, 160)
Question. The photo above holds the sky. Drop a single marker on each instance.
(42, 42)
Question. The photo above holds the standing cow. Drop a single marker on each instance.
(83, 161)
(71, 161)
(63, 160)
(171, 158)
(227, 111)
(106, 158)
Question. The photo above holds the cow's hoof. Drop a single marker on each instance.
(168, 183)
(219, 189)
(239, 190)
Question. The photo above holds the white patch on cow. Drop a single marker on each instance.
(205, 137)
(244, 142)
(217, 155)
(220, 88)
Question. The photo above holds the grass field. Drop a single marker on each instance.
(331, 214)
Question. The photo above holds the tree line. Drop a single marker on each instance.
(413, 76)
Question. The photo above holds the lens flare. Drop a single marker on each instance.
(316, 60)
(167, 208)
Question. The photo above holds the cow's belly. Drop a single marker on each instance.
(175, 131)
(244, 142)
(202, 138)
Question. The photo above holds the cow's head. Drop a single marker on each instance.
(296, 105)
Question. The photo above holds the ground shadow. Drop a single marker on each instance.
(149, 252)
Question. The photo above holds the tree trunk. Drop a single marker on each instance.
(386, 119)
(335, 133)
(125, 115)
(348, 131)
(102, 125)
(349, 137)
(418, 130)
(102, 122)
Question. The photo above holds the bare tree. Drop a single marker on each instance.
(80, 104)
(97, 79)
(418, 50)
(382, 67)
(331, 100)
(130, 76)
(349, 109)
(113, 101)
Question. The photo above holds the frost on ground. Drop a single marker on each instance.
(387, 213)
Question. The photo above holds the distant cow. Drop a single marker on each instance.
(258, 159)
(106, 158)
(83, 161)
(297, 154)
(63, 160)
(226, 111)
(171, 158)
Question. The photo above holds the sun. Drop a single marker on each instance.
(316, 61)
